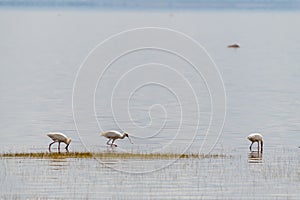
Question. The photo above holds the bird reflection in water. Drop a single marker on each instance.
(255, 157)
(57, 164)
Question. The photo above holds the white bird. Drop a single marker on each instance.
(59, 137)
(113, 135)
(256, 137)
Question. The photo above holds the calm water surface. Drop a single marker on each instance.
(41, 52)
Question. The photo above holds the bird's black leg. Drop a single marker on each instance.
(108, 142)
(58, 147)
(67, 148)
(112, 144)
(50, 146)
(251, 146)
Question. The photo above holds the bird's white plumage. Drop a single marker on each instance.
(59, 137)
(254, 137)
(112, 134)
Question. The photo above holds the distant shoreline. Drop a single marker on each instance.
(157, 4)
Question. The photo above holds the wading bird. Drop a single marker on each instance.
(113, 135)
(59, 137)
(256, 137)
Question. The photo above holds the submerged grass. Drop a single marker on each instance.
(107, 155)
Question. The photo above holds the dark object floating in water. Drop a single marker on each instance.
(236, 45)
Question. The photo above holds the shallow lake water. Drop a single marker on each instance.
(275, 177)
(42, 59)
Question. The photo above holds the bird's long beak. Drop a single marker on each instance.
(129, 140)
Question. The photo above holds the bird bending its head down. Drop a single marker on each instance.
(59, 137)
(256, 137)
(114, 135)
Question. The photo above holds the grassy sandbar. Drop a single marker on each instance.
(107, 155)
